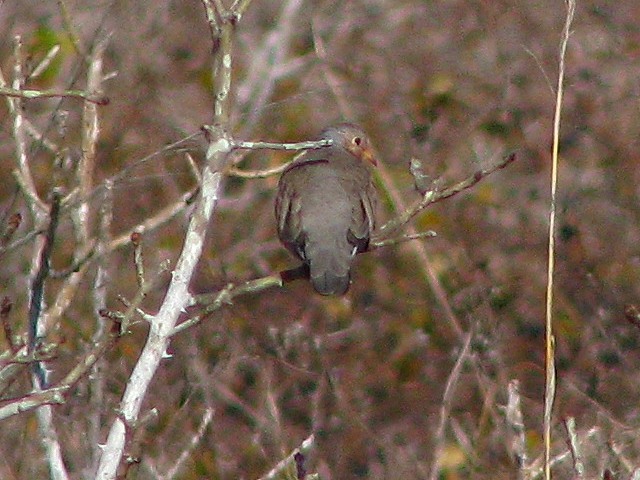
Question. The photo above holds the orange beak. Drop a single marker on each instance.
(368, 155)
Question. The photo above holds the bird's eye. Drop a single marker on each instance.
(357, 140)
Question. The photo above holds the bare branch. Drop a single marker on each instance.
(433, 196)
(236, 172)
(45, 62)
(39, 94)
(56, 394)
(239, 7)
(269, 172)
(136, 240)
(68, 26)
(405, 238)
(445, 407)
(550, 368)
(196, 438)
(97, 375)
(38, 283)
(574, 445)
(292, 462)
(516, 429)
(266, 60)
(213, 302)
(314, 144)
(23, 172)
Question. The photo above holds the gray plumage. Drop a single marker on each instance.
(325, 207)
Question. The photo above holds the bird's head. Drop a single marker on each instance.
(351, 138)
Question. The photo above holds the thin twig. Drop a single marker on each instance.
(515, 424)
(126, 172)
(56, 394)
(196, 438)
(537, 469)
(215, 301)
(434, 196)
(237, 172)
(24, 357)
(134, 306)
(445, 406)
(98, 374)
(313, 144)
(404, 238)
(550, 371)
(136, 241)
(39, 94)
(90, 132)
(68, 26)
(266, 59)
(291, 462)
(239, 7)
(21, 241)
(269, 172)
(45, 62)
(23, 175)
(38, 283)
(574, 445)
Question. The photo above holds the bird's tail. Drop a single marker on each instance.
(329, 269)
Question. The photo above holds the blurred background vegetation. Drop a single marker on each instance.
(455, 84)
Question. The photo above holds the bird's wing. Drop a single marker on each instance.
(289, 206)
(363, 220)
(287, 199)
(370, 202)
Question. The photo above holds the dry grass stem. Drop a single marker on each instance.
(550, 372)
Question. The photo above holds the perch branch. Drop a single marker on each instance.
(293, 461)
(433, 196)
(215, 301)
(37, 94)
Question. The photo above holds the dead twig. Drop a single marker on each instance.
(434, 196)
(56, 394)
